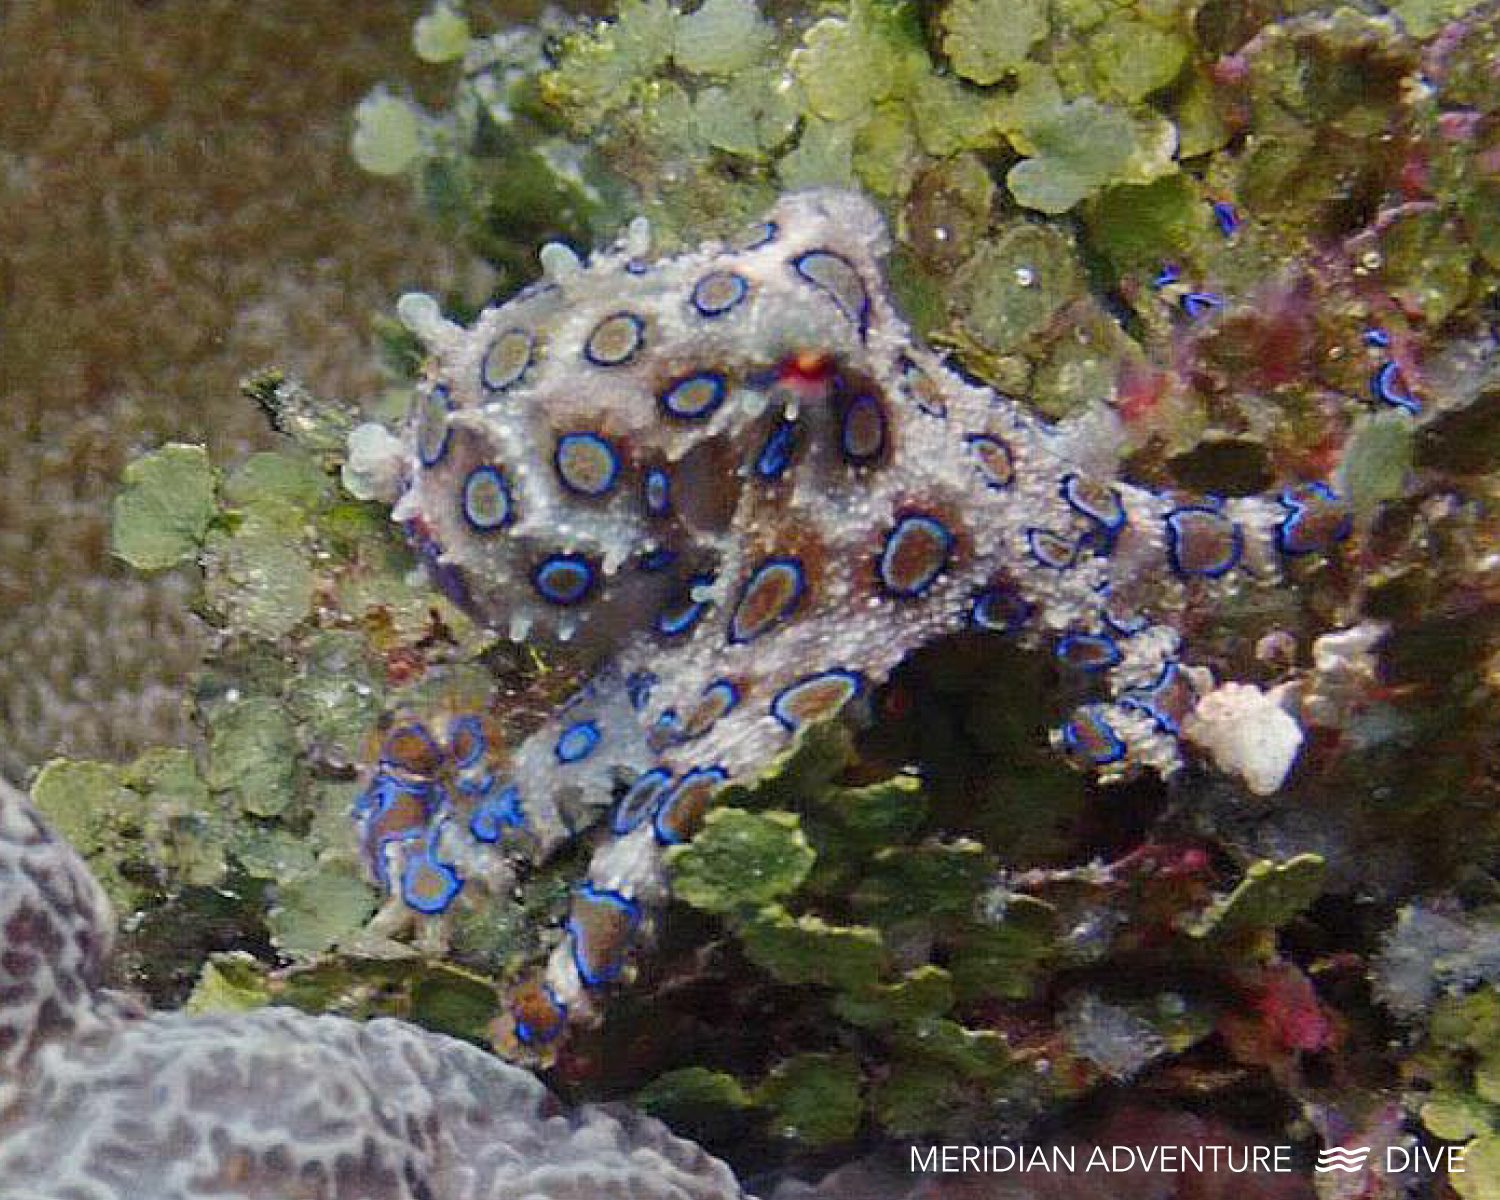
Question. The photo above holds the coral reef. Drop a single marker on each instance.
(100, 1101)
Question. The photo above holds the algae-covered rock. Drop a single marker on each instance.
(814, 1098)
(987, 39)
(741, 861)
(1269, 895)
(164, 510)
(801, 950)
(253, 754)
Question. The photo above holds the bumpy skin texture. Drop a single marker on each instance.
(736, 476)
(100, 1103)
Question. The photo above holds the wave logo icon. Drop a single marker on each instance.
(1342, 1158)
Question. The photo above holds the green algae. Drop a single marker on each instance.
(163, 512)
(1269, 895)
(741, 861)
(814, 1099)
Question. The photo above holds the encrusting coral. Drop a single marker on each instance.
(735, 476)
(102, 1101)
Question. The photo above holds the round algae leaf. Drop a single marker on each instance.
(440, 36)
(387, 136)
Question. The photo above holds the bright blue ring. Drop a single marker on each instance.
(742, 289)
(899, 530)
(640, 332)
(1112, 523)
(665, 836)
(495, 813)
(1237, 545)
(639, 804)
(577, 742)
(656, 492)
(629, 907)
(720, 389)
(566, 442)
(779, 563)
(475, 728)
(776, 455)
(529, 1036)
(506, 518)
(551, 592)
(429, 906)
(792, 724)
(1072, 743)
(1065, 644)
(441, 392)
(861, 318)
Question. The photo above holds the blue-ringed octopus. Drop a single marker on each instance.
(735, 478)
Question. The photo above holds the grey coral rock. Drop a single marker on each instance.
(99, 1101)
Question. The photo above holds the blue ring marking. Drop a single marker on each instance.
(858, 408)
(1288, 532)
(992, 454)
(814, 266)
(1098, 650)
(1227, 217)
(1170, 273)
(1051, 549)
(638, 805)
(1148, 700)
(577, 742)
(674, 404)
(440, 395)
(586, 443)
(762, 234)
(664, 810)
(909, 525)
(632, 912)
(673, 621)
(451, 883)
(1376, 337)
(636, 266)
(1199, 304)
(656, 492)
(999, 610)
(780, 565)
(638, 329)
(776, 454)
(480, 476)
(1175, 535)
(531, 1037)
(495, 813)
(653, 561)
(1387, 386)
(667, 728)
(711, 306)
(781, 705)
(508, 342)
(728, 697)
(473, 727)
(563, 579)
(638, 685)
(1075, 739)
(1074, 491)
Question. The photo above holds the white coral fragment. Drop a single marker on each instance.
(372, 471)
(1247, 733)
